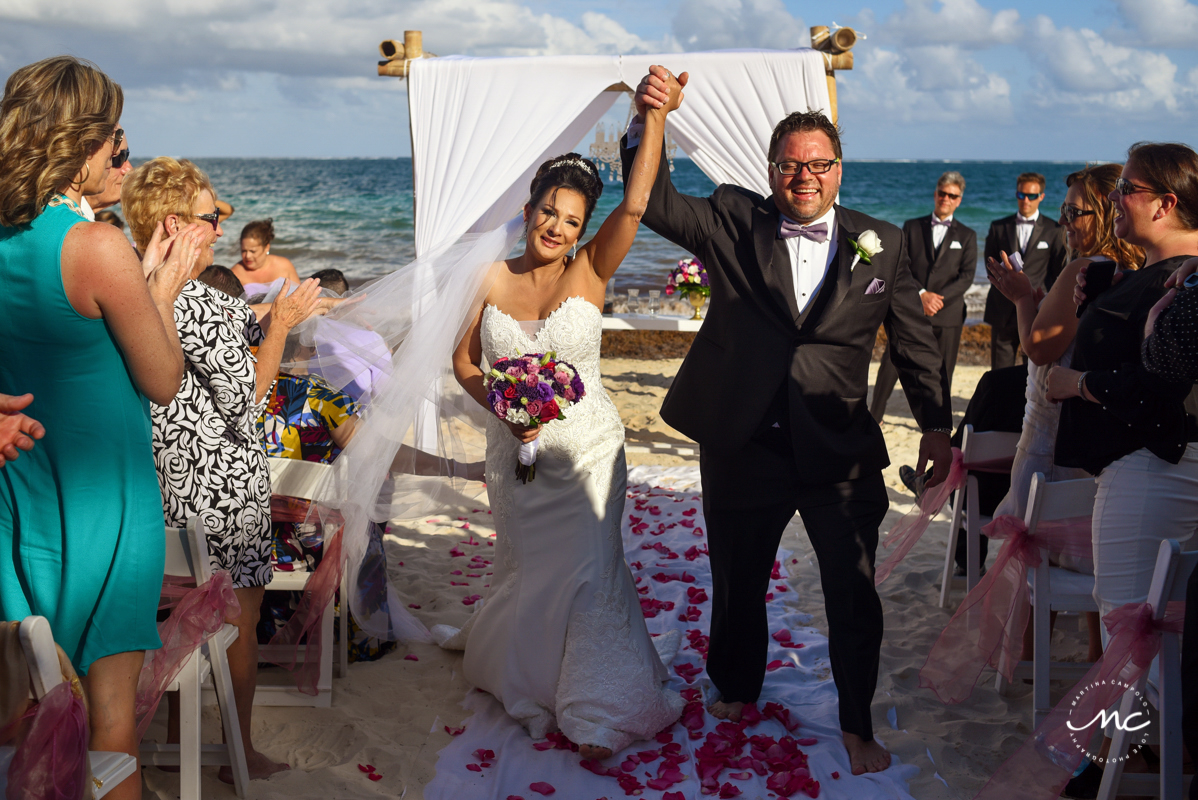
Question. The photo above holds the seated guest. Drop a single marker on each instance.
(1119, 421)
(258, 270)
(206, 445)
(333, 280)
(223, 280)
(1046, 331)
(17, 431)
(90, 335)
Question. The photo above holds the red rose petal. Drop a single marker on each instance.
(455, 731)
(540, 787)
(474, 768)
(374, 776)
(410, 657)
(835, 776)
(366, 768)
(413, 605)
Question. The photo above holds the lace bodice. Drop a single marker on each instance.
(592, 426)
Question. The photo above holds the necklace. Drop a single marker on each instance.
(63, 200)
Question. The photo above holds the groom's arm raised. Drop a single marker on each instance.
(684, 220)
(607, 250)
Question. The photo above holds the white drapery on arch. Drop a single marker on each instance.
(481, 126)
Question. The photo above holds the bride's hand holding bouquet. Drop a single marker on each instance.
(527, 392)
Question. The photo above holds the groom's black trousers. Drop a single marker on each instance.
(749, 496)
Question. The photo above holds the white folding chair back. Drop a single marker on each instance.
(37, 643)
(1053, 588)
(976, 448)
(292, 477)
(1161, 685)
(187, 556)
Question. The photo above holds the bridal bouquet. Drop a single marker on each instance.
(532, 390)
(689, 276)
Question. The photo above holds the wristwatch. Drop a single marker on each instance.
(945, 431)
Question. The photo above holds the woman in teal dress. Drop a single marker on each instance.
(91, 336)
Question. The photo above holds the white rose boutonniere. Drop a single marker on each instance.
(867, 246)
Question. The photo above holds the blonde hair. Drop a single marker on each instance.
(53, 116)
(157, 189)
(1096, 181)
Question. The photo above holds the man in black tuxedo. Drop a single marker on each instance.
(774, 389)
(1041, 242)
(944, 255)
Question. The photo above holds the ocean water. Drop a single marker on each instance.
(356, 214)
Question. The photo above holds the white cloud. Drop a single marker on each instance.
(1084, 72)
(964, 23)
(934, 84)
(1158, 23)
(725, 24)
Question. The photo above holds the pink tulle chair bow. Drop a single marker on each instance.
(51, 762)
(908, 530)
(1043, 764)
(988, 627)
(304, 630)
(195, 618)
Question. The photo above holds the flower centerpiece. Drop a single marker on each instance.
(690, 279)
(532, 390)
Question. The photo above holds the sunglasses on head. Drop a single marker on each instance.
(1125, 187)
(943, 195)
(1070, 213)
(1029, 195)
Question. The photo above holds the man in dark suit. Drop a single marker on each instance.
(1041, 242)
(774, 389)
(944, 256)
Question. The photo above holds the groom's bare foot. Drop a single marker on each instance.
(595, 752)
(865, 756)
(723, 710)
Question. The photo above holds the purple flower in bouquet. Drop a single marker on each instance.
(532, 390)
(688, 277)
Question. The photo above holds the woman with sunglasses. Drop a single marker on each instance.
(206, 446)
(1047, 325)
(89, 332)
(1120, 422)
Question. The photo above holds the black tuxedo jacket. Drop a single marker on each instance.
(755, 346)
(1045, 257)
(949, 271)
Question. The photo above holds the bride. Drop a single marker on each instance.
(561, 641)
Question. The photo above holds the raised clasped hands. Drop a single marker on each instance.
(1012, 283)
(660, 89)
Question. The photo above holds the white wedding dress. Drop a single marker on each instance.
(561, 640)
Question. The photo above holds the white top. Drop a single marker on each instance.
(939, 231)
(1023, 228)
(531, 326)
(809, 260)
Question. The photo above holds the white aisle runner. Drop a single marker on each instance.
(794, 750)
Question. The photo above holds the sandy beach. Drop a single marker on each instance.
(391, 713)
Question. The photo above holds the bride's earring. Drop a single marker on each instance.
(574, 250)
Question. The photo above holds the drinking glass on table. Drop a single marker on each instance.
(634, 301)
(654, 302)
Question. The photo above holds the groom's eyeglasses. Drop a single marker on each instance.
(817, 167)
(1028, 195)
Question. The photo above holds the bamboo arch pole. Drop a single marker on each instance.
(837, 49)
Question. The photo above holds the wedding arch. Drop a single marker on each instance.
(481, 126)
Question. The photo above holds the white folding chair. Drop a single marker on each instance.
(292, 477)
(1053, 588)
(1162, 687)
(976, 448)
(187, 556)
(37, 642)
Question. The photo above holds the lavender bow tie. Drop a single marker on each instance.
(944, 222)
(817, 233)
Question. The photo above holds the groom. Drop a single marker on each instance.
(774, 390)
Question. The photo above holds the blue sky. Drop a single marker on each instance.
(958, 79)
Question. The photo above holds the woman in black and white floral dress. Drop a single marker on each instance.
(209, 458)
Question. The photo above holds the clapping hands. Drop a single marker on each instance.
(660, 89)
(289, 310)
(169, 262)
(1012, 283)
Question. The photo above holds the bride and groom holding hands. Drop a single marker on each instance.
(773, 389)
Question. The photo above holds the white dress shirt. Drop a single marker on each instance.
(939, 231)
(1023, 229)
(810, 261)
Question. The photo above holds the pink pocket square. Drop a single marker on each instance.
(876, 286)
